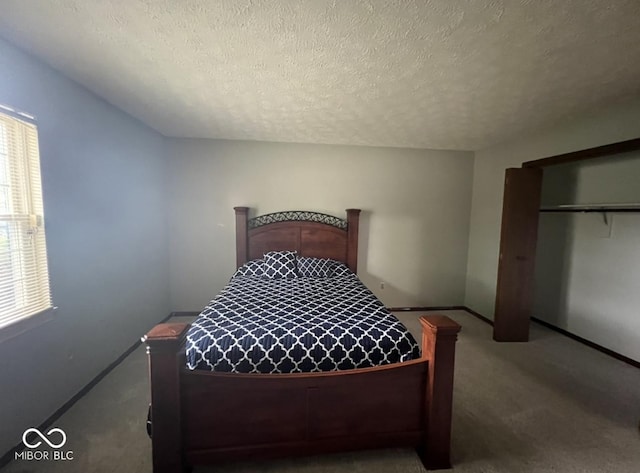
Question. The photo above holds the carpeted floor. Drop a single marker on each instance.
(550, 405)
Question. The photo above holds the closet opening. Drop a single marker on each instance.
(569, 224)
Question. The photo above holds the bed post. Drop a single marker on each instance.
(439, 335)
(353, 219)
(165, 347)
(241, 235)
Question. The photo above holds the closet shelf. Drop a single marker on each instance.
(627, 207)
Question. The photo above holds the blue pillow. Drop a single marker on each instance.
(342, 269)
(280, 265)
(316, 267)
(250, 268)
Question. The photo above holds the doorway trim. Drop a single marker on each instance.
(508, 266)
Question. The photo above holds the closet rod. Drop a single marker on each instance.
(593, 208)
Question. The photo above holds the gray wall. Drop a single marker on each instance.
(588, 269)
(414, 225)
(618, 123)
(104, 195)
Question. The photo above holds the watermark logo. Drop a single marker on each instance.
(25, 438)
(55, 438)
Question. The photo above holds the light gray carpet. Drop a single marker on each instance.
(550, 405)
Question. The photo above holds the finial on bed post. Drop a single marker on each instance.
(353, 219)
(241, 235)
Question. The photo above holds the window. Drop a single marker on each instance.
(24, 277)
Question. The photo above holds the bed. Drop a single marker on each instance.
(201, 416)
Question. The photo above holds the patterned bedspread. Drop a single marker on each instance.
(302, 324)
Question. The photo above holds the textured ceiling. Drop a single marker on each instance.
(448, 74)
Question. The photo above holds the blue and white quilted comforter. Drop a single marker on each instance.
(296, 324)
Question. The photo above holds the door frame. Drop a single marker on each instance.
(506, 266)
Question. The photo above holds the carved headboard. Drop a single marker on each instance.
(308, 233)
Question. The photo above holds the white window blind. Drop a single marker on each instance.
(24, 276)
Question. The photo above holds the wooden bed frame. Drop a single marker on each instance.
(202, 417)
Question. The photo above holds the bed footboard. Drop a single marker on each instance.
(201, 417)
(439, 335)
(165, 347)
